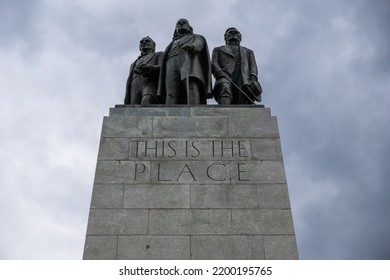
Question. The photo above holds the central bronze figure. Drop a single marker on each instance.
(185, 76)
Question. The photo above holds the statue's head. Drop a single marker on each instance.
(183, 27)
(232, 36)
(147, 45)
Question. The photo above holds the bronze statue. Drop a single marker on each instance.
(141, 87)
(235, 71)
(185, 76)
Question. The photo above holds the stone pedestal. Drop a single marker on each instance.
(181, 182)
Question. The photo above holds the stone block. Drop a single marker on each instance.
(148, 247)
(232, 111)
(262, 221)
(280, 247)
(135, 110)
(114, 149)
(266, 149)
(107, 196)
(122, 172)
(223, 196)
(100, 247)
(273, 196)
(253, 127)
(109, 222)
(189, 222)
(190, 182)
(257, 172)
(132, 126)
(154, 110)
(186, 126)
(230, 247)
(155, 196)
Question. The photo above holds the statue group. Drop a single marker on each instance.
(182, 73)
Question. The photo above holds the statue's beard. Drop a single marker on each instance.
(146, 50)
(183, 31)
(233, 41)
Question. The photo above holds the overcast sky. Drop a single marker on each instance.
(324, 67)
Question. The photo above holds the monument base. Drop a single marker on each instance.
(181, 182)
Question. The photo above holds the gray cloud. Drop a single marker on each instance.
(17, 20)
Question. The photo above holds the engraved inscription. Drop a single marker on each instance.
(193, 172)
(193, 149)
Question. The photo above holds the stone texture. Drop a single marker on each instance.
(108, 221)
(241, 126)
(155, 110)
(273, 196)
(184, 126)
(266, 149)
(231, 111)
(154, 196)
(189, 222)
(122, 172)
(229, 196)
(107, 196)
(147, 247)
(127, 126)
(231, 247)
(258, 172)
(262, 221)
(100, 247)
(190, 182)
(113, 149)
(280, 247)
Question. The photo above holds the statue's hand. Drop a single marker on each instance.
(189, 48)
(145, 69)
(137, 70)
(222, 74)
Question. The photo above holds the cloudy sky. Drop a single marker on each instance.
(324, 67)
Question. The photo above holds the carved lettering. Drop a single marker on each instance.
(197, 152)
(241, 170)
(194, 171)
(138, 170)
(190, 149)
(186, 169)
(213, 167)
(158, 174)
(242, 149)
(226, 146)
(212, 147)
(153, 148)
(170, 145)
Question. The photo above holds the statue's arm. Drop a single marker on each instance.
(253, 71)
(128, 87)
(153, 69)
(157, 63)
(195, 44)
(215, 68)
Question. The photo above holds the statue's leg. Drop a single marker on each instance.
(194, 94)
(136, 90)
(172, 81)
(149, 94)
(225, 100)
(148, 99)
(225, 95)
